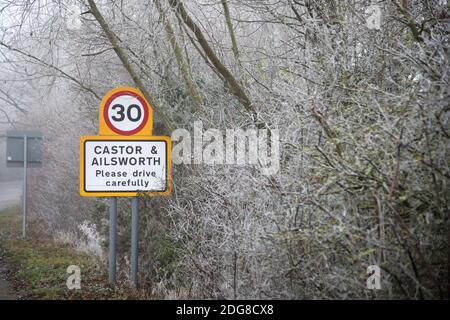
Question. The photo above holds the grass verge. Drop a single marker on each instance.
(39, 267)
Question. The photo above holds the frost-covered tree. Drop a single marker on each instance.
(359, 91)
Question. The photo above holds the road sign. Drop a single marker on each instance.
(24, 149)
(15, 148)
(125, 111)
(125, 166)
(125, 160)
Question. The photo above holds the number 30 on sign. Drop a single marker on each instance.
(124, 111)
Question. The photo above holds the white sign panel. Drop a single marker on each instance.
(125, 165)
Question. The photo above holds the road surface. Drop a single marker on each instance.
(10, 194)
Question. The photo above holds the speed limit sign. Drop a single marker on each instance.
(125, 111)
(126, 160)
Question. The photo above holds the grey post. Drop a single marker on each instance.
(24, 196)
(112, 240)
(134, 240)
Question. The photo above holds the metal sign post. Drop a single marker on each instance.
(24, 196)
(134, 240)
(24, 149)
(112, 240)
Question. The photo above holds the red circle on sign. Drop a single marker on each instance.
(108, 104)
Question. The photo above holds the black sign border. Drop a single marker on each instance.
(126, 191)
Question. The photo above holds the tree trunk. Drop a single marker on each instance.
(234, 45)
(113, 39)
(182, 63)
(232, 84)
